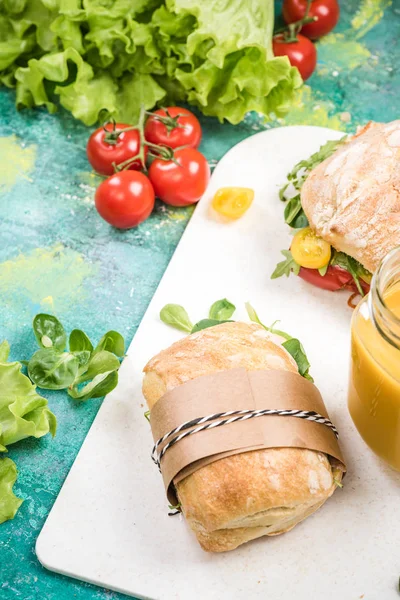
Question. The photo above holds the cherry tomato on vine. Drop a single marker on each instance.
(186, 132)
(301, 53)
(125, 199)
(183, 183)
(326, 11)
(102, 154)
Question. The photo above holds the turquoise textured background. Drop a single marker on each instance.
(57, 255)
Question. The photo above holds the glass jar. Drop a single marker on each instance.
(374, 389)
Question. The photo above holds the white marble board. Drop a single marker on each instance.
(109, 524)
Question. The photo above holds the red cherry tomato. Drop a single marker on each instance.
(326, 11)
(189, 134)
(301, 54)
(125, 199)
(183, 183)
(102, 155)
(334, 279)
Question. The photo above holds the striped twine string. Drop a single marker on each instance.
(192, 423)
(203, 423)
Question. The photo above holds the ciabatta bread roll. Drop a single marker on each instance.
(249, 495)
(352, 199)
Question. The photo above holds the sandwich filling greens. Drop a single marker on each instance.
(221, 311)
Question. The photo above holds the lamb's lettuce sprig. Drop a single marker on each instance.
(220, 312)
(84, 370)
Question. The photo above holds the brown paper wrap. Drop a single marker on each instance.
(239, 389)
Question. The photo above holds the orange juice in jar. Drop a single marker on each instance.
(374, 389)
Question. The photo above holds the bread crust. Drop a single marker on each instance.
(248, 495)
(352, 199)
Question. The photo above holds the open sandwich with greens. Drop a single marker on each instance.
(343, 204)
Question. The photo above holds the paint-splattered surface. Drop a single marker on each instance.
(57, 255)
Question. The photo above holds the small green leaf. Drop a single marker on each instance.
(282, 192)
(102, 384)
(102, 362)
(49, 332)
(352, 266)
(302, 168)
(253, 316)
(112, 341)
(147, 415)
(83, 357)
(301, 221)
(292, 345)
(283, 334)
(4, 351)
(53, 370)
(78, 341)
(176, 316)
(292, 209)
(294, 213)
(296, 350)
(323, 270)
(206, 323)
(222, 310)
(287, 266)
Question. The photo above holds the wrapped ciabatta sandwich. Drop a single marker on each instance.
(254, 476)
(345, 201)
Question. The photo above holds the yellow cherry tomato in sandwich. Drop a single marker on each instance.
(309, 250)
(232, 202)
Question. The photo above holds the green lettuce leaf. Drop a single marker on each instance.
(23, 412)
(9, 503)
(291, 344)
(13, 46)
(144, 88)
(238, 72)
(101, 57)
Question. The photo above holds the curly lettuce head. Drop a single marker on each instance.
(23, 413)
(98, 57)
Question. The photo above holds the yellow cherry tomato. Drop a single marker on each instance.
(232, 202)
(309, 250)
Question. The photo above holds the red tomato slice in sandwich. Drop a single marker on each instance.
(334, 279)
